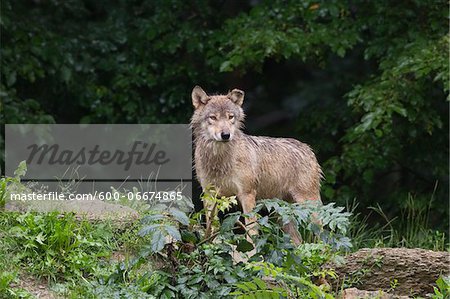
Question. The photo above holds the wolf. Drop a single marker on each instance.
(251, 167)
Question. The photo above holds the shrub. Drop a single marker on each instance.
(189, 263)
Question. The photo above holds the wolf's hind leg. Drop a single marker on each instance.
(292, 231)
(291, 228)
(301, 197)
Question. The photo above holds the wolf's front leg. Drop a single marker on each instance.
(248, 203)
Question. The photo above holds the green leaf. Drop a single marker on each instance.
(251, 285)
(340, 52)
(40, 238)
(226, 66)
(152, 218)
(244, 246)
(66, 74)
(173, 231)
(179, 215)
(243, 286)
(264, 221)
(11, 79)
(399, 110)
(148, 229)
(21, 169)
(158, 241)
(229, 222)
(188, 236)
(275, 295)
(260, 283)
(272, 204)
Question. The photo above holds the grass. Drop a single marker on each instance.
(410, 229)
(72, 255)
(9, 265)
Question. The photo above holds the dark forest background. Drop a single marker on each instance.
(365, 83)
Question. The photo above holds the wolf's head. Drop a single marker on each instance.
(217, 117)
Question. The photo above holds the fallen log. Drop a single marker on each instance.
(399, 271)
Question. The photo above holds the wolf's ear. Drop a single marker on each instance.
(199, 97)
(237, 96)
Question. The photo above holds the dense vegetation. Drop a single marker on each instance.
(365, 83)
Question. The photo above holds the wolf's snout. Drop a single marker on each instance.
(225, 136)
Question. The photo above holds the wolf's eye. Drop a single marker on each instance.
(212, 117)
(231, 116)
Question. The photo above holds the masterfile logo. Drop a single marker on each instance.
(140, 153)
(101, 153)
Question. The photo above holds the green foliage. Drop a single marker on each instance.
(3, 184)
(257, 288)
(58, 247)
(443, 288)
(216, 204)
(202, 269)
(96, 290)
(6, 279)
(208, 271)
(415, 230)
(97, 71)
(385, 136)
(333, 223)
(191, 264)
(210, 196)
(11, 182)
(411, 229)
(298, 286)
(163, 227)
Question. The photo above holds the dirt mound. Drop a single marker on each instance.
(93, 210)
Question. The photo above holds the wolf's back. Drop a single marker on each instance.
(283, 166)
